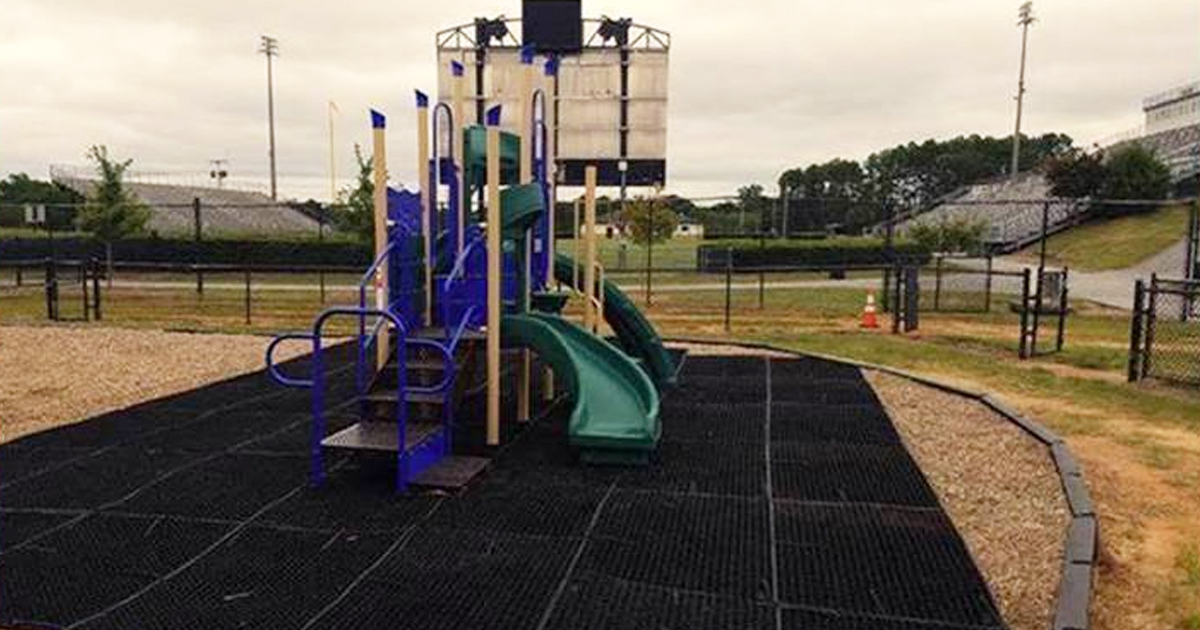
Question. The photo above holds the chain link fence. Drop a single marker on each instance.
(1165, 331)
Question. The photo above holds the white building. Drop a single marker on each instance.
(1173, 109)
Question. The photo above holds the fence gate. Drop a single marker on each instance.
(1165, 331)
(1044, 307)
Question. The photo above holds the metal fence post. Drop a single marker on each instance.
(19, 270)
(937, 283)
(1135, 331)
(96, 300)
(51, 290)
(199, 237)
(247, 271)
(1023, 351)
(897, 299)
(987, 287)
(1063, 306)
(1150, 325)
(83, 282)
(728, 285)
(1037, 311)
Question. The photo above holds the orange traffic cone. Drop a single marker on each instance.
(868, 315)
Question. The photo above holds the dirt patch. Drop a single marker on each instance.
(50, 376)
(999, 486)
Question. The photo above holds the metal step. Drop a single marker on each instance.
(452, 473)
(389, 396)
(380, 436)
(439, 334)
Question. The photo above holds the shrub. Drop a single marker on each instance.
(832, 252)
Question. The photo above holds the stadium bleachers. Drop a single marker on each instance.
(1011, 209)
(223, 211)
(1179, 148)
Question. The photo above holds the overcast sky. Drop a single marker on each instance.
(756, 87)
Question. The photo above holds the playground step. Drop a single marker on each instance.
(452, 473)
(439, 333)
(380, 436)
(389, 396)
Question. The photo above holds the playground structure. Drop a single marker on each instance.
(453, 283)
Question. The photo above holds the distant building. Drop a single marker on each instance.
(1173, 109)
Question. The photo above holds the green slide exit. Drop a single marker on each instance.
(615, 417)
(634, 331)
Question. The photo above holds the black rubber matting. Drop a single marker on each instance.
(781, 497)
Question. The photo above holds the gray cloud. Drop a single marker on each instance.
(755, 87)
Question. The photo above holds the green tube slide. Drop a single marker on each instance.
(615, 414)
(636, 334)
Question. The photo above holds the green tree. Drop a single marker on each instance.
(20, 189)
(111, 211)
(1134, 172)
(950, 237)
(1076, 174)
(355, 212)
(752, 207)
(651, 219)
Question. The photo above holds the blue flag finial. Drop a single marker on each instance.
(493, 116)
(422, 99)
(378, 120)
(457, 69)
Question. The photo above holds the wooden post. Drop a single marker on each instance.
(549, 77)
(578, 239)
(493, 286)
(456, 136)
(379, 166)
(427, 210)
(589, 246)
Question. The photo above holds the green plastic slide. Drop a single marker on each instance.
(633, 330)
(615, 418)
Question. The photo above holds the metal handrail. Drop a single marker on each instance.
(273, 369)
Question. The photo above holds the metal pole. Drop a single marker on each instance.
(1151, 324)
(937, 284)
(197, 223)
(96, 301)
(50, 290)
(987, 287)
(1023, 352)
(247, 272)
(1135, 330)
(270, 48)
(650, 253)
(321, 242)
(1026, 18)
(1063, 304)
(728, 285)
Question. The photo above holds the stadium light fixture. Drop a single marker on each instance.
(1024, 19)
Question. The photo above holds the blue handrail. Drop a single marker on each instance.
(318, 384)
(273, 369)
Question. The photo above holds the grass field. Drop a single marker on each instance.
(1116, 243)
(1139, 444)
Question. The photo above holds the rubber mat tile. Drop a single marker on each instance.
(846, 393)
(296, 439)
(711, 544)
(816, 471)
(107, 430)
(357, 498)
(16, 527)
(94, 481)
(880, 561)
(827, 620)
(453, 580)
(730, 468)
(811, 368)
(721, 391)
(723, 366)
(713, 422)
(753, 383)
(259, 579)
(597, 602)
(848, 424)
(232, 487)
(213, 434)
(102, 559)
(521, 506)
(20, 463)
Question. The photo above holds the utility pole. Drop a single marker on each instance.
(1024, 20)
(270, 48)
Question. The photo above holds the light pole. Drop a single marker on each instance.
(270, 49)
(333, 111)
(1024, 19)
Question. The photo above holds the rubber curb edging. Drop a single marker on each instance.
(1080, 555)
